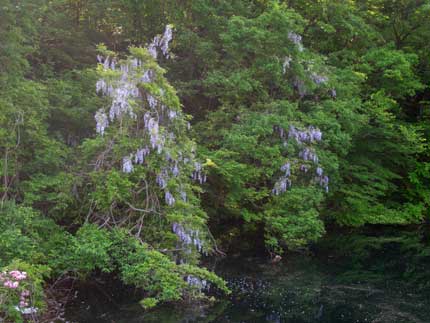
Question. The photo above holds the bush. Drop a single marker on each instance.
(21, 290)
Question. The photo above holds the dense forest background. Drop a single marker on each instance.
(302, 116)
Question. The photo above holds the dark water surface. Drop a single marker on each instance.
(301, 288)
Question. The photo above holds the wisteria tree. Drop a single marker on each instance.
(276, 138)
(144, 176)
(147, 173)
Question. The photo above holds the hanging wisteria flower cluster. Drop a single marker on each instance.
(296, 39)
(198, 174)
(102, 122)
(286, 64)
(197, 282)
(307, 155)
(161, 42)
(188, 236)
(299, 84)
(309, 135)
(318, 79)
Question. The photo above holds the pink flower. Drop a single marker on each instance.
(18, 275)
(15, 273)
(10, 284)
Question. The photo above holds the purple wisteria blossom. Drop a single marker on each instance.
(305, 139)
(281, 185)
(170, 200)
(188, 236)
(102, 121)
(197, 282)
(161, 42)
(296, 39)
(286, 64)
(318, 79)
(127, 165)
(308, 135)
(287, 169)
(198, 174)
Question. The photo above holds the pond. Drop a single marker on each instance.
(300, 288)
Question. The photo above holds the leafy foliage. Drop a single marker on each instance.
(309, 114)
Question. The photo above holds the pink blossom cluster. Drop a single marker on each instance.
(11, 284)
(24, 298)
(18, 275)
(11, 279)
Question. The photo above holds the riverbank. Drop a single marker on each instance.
(373, 278)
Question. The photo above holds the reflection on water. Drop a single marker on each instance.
(299, 289)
